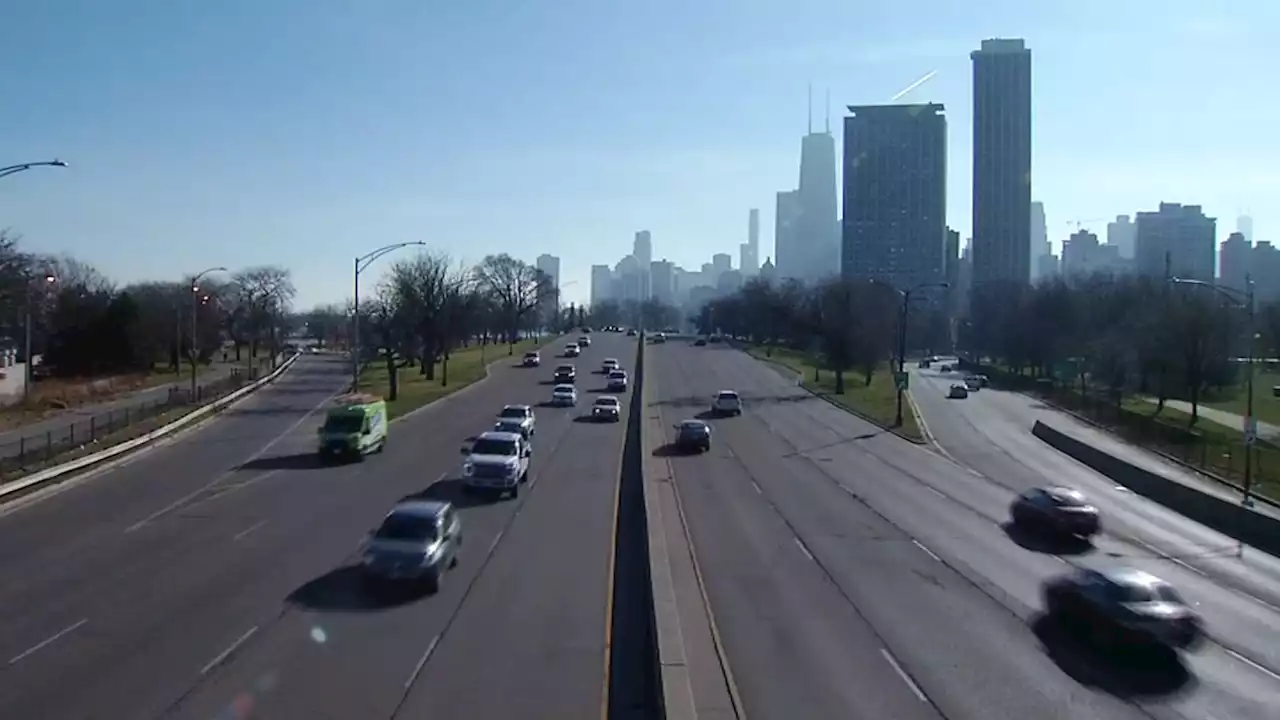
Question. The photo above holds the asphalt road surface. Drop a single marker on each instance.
(852, 574)
(213, 577)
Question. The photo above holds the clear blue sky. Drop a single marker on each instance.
(300, 132)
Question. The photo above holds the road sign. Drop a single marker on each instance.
(902, 379)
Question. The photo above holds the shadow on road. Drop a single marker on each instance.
(671, 450)
(454, 492)
(307, 461)
(1046, 542)
(344, 590)
(1129, 673)
(546, 382)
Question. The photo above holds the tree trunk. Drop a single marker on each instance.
(393, 385)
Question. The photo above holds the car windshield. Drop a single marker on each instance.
(692, 427)
(617, 375)
(507, 426)
(609, 402)
(1140, 593)
(728, 396)
(565, 369)
(531, 355)
(492, 446)
(345, 423)
(564, 389)
(410, 527)
(515, 413)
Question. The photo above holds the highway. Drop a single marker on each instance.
(853, 574)
(212, 577)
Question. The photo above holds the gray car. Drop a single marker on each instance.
(416, 544)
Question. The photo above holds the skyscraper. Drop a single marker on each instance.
(788, 258)
(1244, 226)
(643, 248)
(895, 194)
(1001, 162)
(601, 284)
(1122, 233)
(550, 265)
(818, 229)
(1182, 235)
(1039, 237)
(749, 252)
(1233, 261)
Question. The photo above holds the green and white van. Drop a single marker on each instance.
(355, 426)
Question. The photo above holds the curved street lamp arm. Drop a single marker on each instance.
(14, 169)
(368, 259)
(1236, 296)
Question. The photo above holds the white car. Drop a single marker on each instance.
(497, 462)
(564, 396)
(522, 414)
(584, 341)
(607, 408)
(572, 350)
(727, 402)
(618, 381)
(609, 365)
(532, 359)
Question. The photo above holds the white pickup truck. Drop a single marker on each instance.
(497, 463)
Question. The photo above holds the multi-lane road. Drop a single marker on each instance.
(213, 577)
(852, 574)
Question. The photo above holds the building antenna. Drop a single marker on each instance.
(827, 112)
(810, 103)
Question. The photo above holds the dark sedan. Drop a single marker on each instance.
(1056, 510)
(415, 544)
(693, 436)
(1124, 608)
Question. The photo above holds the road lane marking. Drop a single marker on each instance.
(926, 550)
(496, 539)
(937, 492)
(249, 529)
(422, 662)
(803, 549)
(1166, 556)
(756, 485)
(47, 641)
(212, 483)
(1266, 671)
(903, 674)
(227, 653)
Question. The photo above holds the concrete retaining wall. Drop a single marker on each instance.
(1229, 518)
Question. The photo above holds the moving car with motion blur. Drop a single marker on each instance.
(522, 414)
(1124, 607)
(566, 373)
(618, 381)
(727, 402)
(564, 396)
(693, 436)
(496, 463)
(415, 544)
(609, 365)
(1057, 511)
(957, 392)
(584, 342)
(532, 359)
(972, 383)
(606, 408)
(572, 350)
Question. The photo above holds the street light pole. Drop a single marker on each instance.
(195, 312)
(903, 314)
(23, 167)
(49, 280)
(362, 263)
(1250, 422)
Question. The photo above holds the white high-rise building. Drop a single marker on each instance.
(1039, 238)
(749, 252)
(1123, 233)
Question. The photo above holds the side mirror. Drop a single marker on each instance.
(466, 451)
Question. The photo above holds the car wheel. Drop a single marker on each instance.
(515, 491)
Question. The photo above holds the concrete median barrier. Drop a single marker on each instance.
(1227, 517)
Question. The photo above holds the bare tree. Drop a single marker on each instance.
(264, 295)
(518, 289)
(422, 287)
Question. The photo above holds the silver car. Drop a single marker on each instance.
(606, 408)
(522, 414)
(415, 544)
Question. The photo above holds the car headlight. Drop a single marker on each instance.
(468, 469)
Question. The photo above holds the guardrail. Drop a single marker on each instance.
(1229, 518)
(92, 459)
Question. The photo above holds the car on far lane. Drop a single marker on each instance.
(606, 408)
(532, 359)
(522, 414)
(660, 337)
(609, 365)
(584, 341)
(1124, 607)
(1055, 510)
(566, 373)
(727, 402)
(973, 383)
(631, 332)
(564, 396)
(700, 342)
(415, 544)
(693, 436)
(958, 392)
(496, 463)
(618, 381)
(572, 350)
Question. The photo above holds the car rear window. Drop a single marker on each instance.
(517, 413)
(490, 446)
(407, 527)
(611, 402)
(563, 389)
(728, 396)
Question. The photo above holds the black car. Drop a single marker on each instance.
(566, 374)
(700, 342)
(1057, 510)
(631, 333)
(415, 544)
(693, 436)
(1124, 607)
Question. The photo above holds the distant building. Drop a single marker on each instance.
(767, 270)
(1180, 234)
(1122, 233)
(643, 248)
(1001, 161)
(662, 281)
(749, 252)
(895, 194)
(1039, 236)
(1234, 258)
(601, 284)
(1244, 226)
(1048, 266)
(1083, 256)
(951, 269)
(818, 226)
(790, 261)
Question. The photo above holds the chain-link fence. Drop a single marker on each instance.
(36, 448)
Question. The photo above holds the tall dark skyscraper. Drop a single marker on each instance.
(1001, 162)
(895, 194)
(812, 250)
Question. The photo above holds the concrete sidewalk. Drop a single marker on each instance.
(1266, 431)
(81, 423)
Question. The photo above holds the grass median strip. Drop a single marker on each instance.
(413, 389)
(876, 401)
